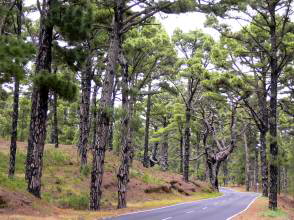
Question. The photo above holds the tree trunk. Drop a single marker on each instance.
(273, 142)
(187, 134)
(13, 144)
(146, 139)
(247, 163)
(37, 133)
(226, 172)
(94, 114)
(54, 134)
(213, 169)
(104, 117)
(256, 170)
(110, 138)
(263, 161)
(181, 153)
(164, 149)
(123, 172)
(86, 77)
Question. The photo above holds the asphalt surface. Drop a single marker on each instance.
(220, 208)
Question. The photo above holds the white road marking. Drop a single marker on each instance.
(166, 218)
(204, 208)
(183, 203)
(189, 211)
(230, 218)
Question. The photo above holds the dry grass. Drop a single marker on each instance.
(65, 188)
(259, 211)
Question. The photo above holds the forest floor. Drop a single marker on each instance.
(65, 190)
(259, 208)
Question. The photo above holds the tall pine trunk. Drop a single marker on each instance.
(263, 161)
(147, 122)
(104, 116)
(123, 172)
(187, 134)
(110, 138)
(13, 144)
(247, 163)
(94, 114)
(37, 133)
(86, 77)
(275, 71)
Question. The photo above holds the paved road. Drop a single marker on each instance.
(220, 208)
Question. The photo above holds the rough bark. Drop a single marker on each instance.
(103, 116)
(153, 158)
(147, 122)
(13, 145)
(123, 172)
(94, 114)
(86, 77)
(110, 138)
(37, 133)
(187, 134)
(214, 159)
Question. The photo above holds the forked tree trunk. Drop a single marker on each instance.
(103, 116)
(213, 169)
(13, 144)
(37, 133)
(86, 77)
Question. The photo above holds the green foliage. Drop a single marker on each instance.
(55, 157)
(74, 19)
(14, 54)
(59, 83)
(274, 214)
(79, 202)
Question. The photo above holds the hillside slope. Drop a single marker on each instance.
(65, 187)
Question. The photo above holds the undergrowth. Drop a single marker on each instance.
(274, 213)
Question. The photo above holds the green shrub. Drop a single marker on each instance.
(274, 214)
(75, 201)
(55, 157)
(86, 170)
(17, 184)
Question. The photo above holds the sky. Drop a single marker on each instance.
(186, 22)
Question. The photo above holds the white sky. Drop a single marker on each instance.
(186, 22)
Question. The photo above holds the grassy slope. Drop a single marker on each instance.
(63, 185)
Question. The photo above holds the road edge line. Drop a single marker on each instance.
(149, 210)
(233, 216)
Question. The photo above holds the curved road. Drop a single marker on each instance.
(220, 208)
